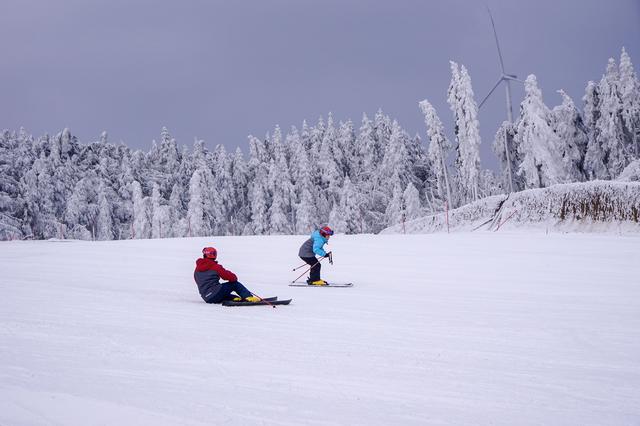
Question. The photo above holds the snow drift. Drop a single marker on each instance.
(597, 206)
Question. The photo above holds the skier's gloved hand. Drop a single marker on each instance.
(328, 254)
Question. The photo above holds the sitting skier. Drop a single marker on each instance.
(312, 247)
(207, 275)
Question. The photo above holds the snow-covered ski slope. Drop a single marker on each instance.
(475, 328)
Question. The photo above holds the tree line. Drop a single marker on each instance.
(359, 179)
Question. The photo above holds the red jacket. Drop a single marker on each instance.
(206, 264)
(207, 275)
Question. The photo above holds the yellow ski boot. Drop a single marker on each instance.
(319, 282)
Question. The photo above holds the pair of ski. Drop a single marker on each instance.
(272, 301)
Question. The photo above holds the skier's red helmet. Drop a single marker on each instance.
(326, 231)
(210, 252)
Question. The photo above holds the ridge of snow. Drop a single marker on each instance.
(595, 206)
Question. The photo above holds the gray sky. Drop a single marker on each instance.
(222, 70)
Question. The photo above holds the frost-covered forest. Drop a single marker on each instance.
(358, 177)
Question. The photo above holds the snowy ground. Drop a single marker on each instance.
(467, 328)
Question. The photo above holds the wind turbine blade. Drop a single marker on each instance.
(495, 34)
(489, 94)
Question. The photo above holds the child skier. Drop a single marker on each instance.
(312, 247)
(207, 275)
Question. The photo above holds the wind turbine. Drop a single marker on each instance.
(506, 78)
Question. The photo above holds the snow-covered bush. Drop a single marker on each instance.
(597, 201)
(582, 207)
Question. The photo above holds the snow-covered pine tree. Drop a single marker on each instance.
(168, 154)
(610, 126)
(239, 215)
(11, 198)
(397, 162)
(141, 220)
(316, 136)
(629, 88)
(594, 166)
(411, 197)
(541, 164)
(279, 185)
(305, 136)
(258, 199)
(105, 219)
(222, 191)
(160, 225)
(69, 145)
(504, 147)
(371, 184)
(78, 215)
(54, 155)
(367, 150)
(61, 169)
(419, 161)
(365, 167)
(568, 125)
(330, 177)
(294, 144)
(465, 112)
(139, 166)
(199, 157)
(176, 211)
(111, 172)
(305, 209)
(38, 188)
(123, 197)
(281, 211)
(198, 223)
(345, 149)
(490, 184)
(336, 218)
(382, 134)
(258, 196)
(439, 148)
(351, 221)
(395, 212)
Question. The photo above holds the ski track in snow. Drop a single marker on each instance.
(467, 328)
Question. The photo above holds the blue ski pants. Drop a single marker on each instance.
(226, 289)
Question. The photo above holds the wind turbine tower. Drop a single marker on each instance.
(506, 78)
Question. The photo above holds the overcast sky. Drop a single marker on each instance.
(221, 70)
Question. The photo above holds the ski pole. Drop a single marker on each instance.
(263, 300)
(312, 266)
(301, 266)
